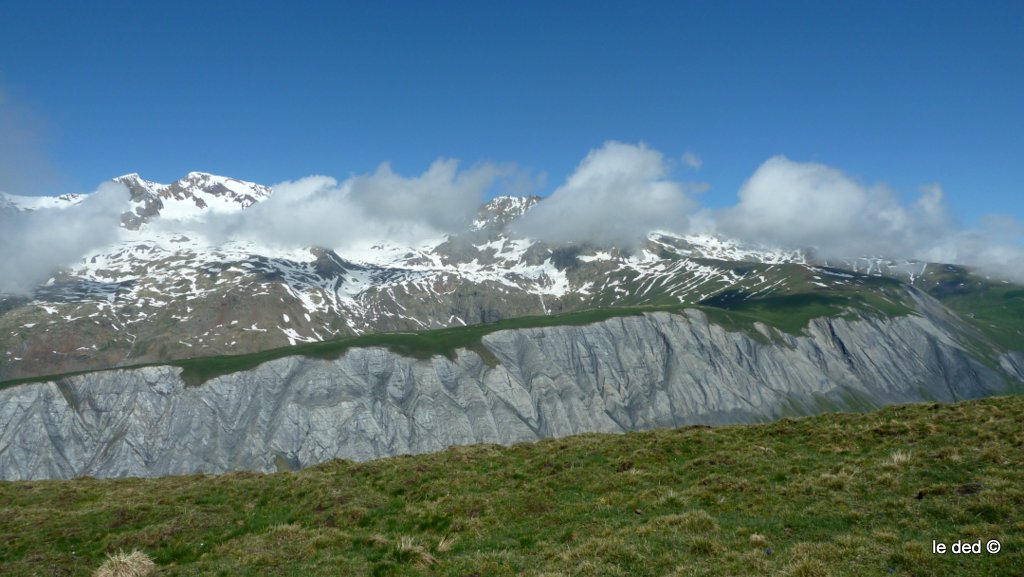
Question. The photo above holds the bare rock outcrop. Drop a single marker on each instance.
(626, 373)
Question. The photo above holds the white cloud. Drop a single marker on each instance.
(442, 197)
(320, 211)
(34, 244)
(994, 248)
(809, 205)
(692, 160)
(803, 205)
(616, 196)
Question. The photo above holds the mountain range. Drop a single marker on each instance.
(159, 294)
(239, 355)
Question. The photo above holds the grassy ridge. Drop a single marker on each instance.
(733, 309)
(422, 345)
(842, 494)
(788, 313)
(995, 308)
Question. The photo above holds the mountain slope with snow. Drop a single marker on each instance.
(165, 292)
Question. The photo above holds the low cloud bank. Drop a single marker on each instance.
(618, 194)
(809, 205)
(33, 244)
(796, 205)
(982, 248)
(320, 211)
(615, 197)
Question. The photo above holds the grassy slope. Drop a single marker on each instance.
(843, 494)
(995, 308)
(998, 312)
(424, 344)
(733, 311)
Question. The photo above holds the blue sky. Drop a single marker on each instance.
(905, 93)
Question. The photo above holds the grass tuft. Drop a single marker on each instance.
(445, 544)
(899, 458)
(691, 522)
(121, 564)
(406, 550)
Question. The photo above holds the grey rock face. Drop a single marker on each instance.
(629, 373)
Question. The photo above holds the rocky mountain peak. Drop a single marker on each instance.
(503, 209)
(195, 184)
(188, 197)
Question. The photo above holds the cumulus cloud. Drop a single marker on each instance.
(795, 204)
(995, 247)
(320, 211)
(441, 198)
(618, 194)
(34, 244)
(810, 205)
(692, 160)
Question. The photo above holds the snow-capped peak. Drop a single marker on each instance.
(190, 197)
(503, 209)
(202, 185)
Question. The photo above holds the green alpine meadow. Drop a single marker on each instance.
(833, 495)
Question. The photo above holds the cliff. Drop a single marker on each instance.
(626, 373)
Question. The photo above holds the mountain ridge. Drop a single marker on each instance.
(159, 294)
(658, 369)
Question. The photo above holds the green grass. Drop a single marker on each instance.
(791, 307)
(839, 495)
(792, 312)
(995, 308)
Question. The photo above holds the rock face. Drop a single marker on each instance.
(627, 373)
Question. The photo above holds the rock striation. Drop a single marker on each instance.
(627, 373)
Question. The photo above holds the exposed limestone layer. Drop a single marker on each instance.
(655, 370)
